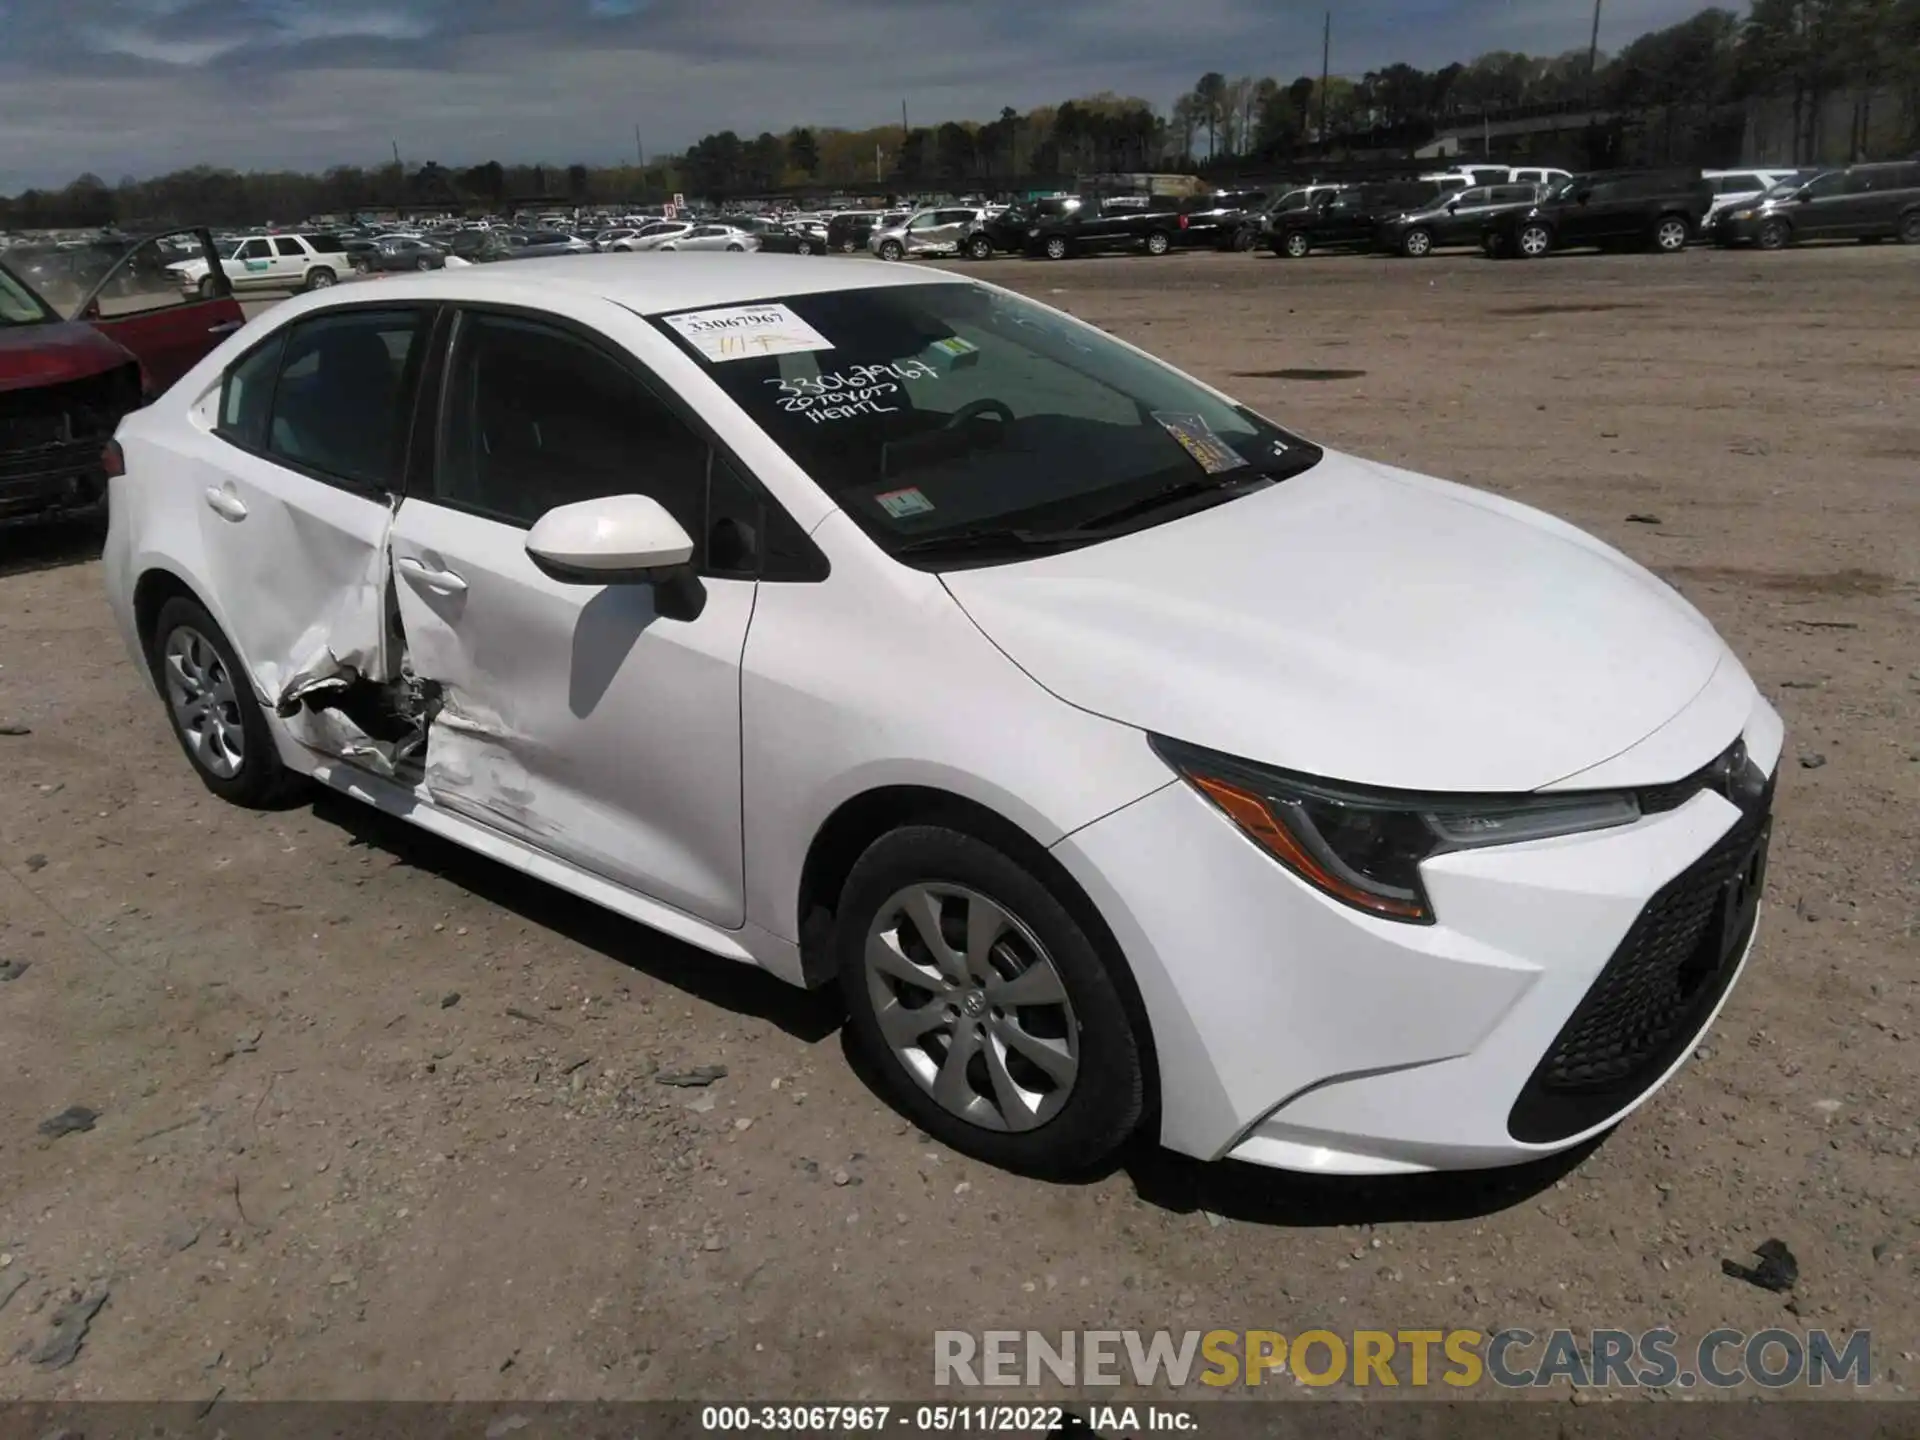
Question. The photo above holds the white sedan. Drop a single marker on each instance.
(1118, 752)
(712, 237)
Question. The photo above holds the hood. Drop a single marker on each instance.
(1361, 624)
(35, 355)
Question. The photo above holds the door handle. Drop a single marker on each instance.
(421, 573)
(226, 504)
(226, 327)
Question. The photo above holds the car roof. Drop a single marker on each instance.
(655, 284)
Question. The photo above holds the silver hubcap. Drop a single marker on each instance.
(972, 1006)
(1417, 243)
(1296, 246)
(1672, 236)
(204, 704)
(1056, 248)
(1534, 242)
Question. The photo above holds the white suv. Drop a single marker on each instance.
(272, 262)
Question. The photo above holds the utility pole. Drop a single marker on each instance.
(903, 122)
(1593, 54)
(639, 150)
(1326, 66)
(399, 177)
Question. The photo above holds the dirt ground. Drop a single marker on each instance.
(377, 1119)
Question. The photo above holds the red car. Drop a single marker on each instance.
(87, 333)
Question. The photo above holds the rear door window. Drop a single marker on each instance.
(341, 404)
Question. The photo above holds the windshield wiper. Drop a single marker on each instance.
(994, 538)
(1174, 495)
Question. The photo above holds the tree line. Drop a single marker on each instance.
(1803, 50)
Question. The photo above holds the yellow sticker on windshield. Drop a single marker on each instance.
(1196, 437)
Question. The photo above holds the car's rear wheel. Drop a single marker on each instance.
(892, 250)
(1242, 240)
(1774, 235)
(211, 705)
(736, 249)
(423, 264)
(1056, 247)
(994, 1019)
(320, 277)
(1910, 228)
(1670, 235)
(979, 248)
(1535, 241)
(1295, 246)
(1417, 244)
(803, 247)
(1158, 243)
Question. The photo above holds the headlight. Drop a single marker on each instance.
(1365, 847)
(1033, 234)
(1741, 215)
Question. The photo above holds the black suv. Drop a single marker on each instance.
(1459, 218)
(1082, 227)
(1220, 220)
(1611, 209)
(1862, 202)
(1348, 219)
(1001, 232)
(849, 231)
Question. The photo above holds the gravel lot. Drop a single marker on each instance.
(378, 1119)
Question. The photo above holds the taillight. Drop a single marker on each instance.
(1183, 222)
(113, 459)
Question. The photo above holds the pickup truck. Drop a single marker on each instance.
(1081, 227)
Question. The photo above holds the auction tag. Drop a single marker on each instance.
(1196, 437)
(902, 503)
(745, 332)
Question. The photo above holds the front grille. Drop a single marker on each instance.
(51, 439)
(1653, 996)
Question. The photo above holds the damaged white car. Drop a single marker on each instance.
(1122, 755)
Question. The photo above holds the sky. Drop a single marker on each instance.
(140, 87)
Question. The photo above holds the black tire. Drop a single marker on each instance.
(736, 249)
(1910, 228)
(1533, 241)
(892, 250)
(1295, 245)
(1056, 247)
(979, 247)
(1243, 239)
(847, 247)
(1774, 235)
(320, 277)
(1107, 1098)
(261, 781)
(803, 247)
(1159, 242)
(1417, 244)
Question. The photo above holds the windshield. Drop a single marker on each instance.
(18, 304)
(939, 411)
(1562, 188)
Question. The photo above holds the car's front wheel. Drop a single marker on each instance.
(803, 247)
(215, 716)
(995, 1020)
(1774, 235)
(892, 250)
(1416, 243)
(1056, 247)
(979, 248)
(1158, 243)
(1535, 241)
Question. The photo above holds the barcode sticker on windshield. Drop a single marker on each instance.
(1197, 438)
(746, 332)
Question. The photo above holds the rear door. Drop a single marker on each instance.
(302, 457)
(291, 261)
(583, 719)
(144, 308)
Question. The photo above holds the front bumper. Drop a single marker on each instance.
(1725, 230)
(1292, 1031)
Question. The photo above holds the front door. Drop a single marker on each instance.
(576, 717)
(252, 265)
(140, 304)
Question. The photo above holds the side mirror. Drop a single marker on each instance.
(619, 540)
(1452, 205)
